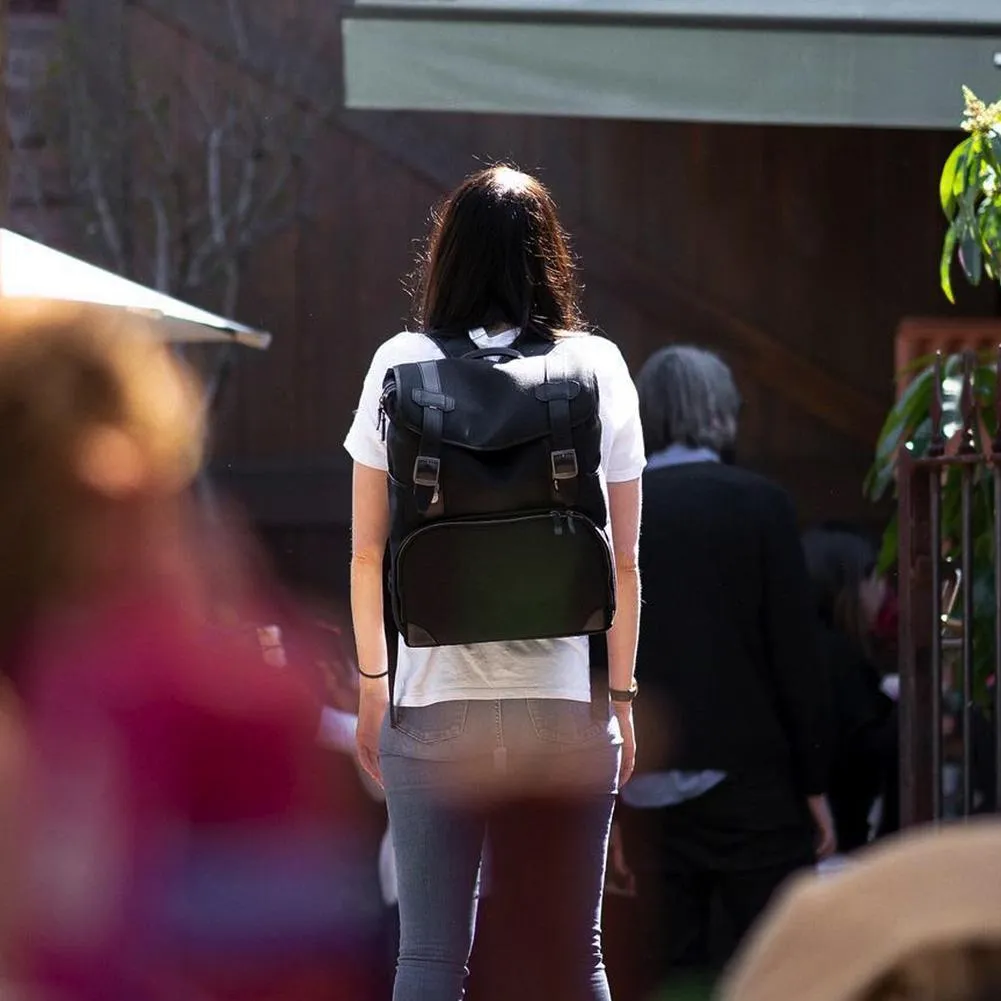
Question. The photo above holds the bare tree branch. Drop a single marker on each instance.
(158, 130)
(212, 161)
(231, 291)
(245, 195)
(238, 26)
(213, 157)
(101, 203)
(162, 263)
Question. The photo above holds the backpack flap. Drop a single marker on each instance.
(485, 407)
(468, 437)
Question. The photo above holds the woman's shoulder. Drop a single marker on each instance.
(406, 346)
(596, 352)
(597, 345)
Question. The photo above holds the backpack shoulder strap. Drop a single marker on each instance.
(452, 345)
(427, 466)
(532, 344)
(563, 458)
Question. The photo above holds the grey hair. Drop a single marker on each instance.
(687, 397)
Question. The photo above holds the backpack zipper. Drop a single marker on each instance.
(381, 419)
(562, 522)
(559, 520)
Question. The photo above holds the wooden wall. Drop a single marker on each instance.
(792, 251)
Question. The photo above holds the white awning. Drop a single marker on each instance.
(880, 63)
(30, 270)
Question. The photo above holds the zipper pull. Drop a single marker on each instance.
(557, 523)
(381, 422)
(570, 524)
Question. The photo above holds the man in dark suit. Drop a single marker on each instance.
(734, 694)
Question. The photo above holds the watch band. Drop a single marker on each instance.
(624, 694)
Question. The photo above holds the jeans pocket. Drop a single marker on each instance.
(561, 721)
(433, 724)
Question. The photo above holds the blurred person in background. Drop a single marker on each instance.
(734, 802)
(849, 594)
(498, 740)
(12, 745)
(338, 734)
(915, 919)
(176, 833)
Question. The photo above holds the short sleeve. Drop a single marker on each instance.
(626, 454)
(364, 441)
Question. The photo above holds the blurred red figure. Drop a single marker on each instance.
(178, 836)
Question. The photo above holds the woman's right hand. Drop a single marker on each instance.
(372, 707)
(624, 714)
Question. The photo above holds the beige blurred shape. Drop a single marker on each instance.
(835, 938)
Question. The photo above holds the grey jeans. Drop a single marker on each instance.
(536, 778)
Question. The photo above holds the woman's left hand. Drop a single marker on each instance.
(372, 709)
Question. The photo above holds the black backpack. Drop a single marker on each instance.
(497, 509)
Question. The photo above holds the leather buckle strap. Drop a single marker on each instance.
(563, 456)
(564, 463)
(427, 469)
(427, 466)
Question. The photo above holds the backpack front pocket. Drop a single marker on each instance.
(528, 576)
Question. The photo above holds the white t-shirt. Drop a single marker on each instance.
(546, 669)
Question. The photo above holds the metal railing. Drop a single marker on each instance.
(946, 652)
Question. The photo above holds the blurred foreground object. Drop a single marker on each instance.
(177, 834)
(916, 918)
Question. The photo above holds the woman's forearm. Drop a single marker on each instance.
(623, 637)
(367, 618)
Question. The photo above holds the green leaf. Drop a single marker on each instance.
(953, 173)
(945, 265)
(970, 256)
(913, 405)
(904, 417)
(876, 482)
(888, 551)
(967, 202)
(920, 440)
(989, 223)
(994, 144)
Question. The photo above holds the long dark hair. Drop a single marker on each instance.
(498, 254)
(838, 562)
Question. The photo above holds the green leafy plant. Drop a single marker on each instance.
(970, 193)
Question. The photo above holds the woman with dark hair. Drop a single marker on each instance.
(849, 593)
(498, 740)
(734, 803)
